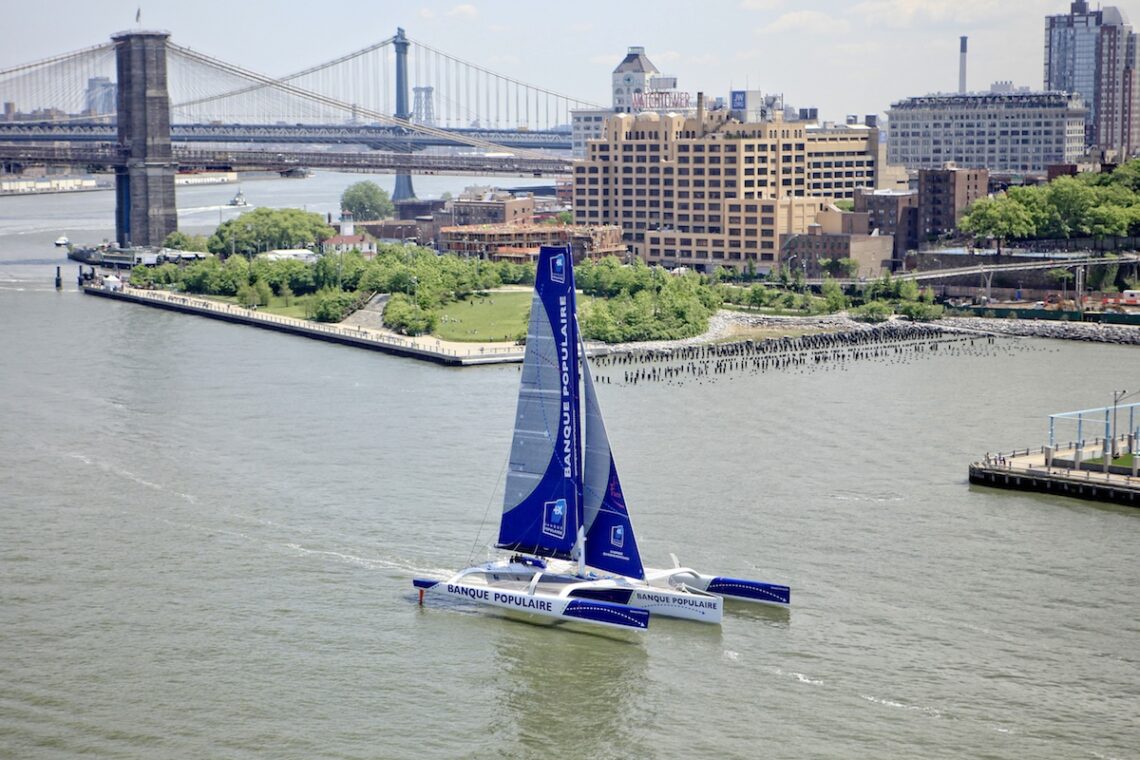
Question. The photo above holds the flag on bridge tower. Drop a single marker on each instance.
(138, 15)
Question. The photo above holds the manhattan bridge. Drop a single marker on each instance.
(144, 107)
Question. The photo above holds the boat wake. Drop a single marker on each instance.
(371, 563)
(132, 477)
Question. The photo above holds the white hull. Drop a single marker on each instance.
(736, 589)
(520, 589)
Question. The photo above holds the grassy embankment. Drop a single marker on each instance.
(498, 316)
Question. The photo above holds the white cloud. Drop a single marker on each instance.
(810, 22)
(904, 13)
(427, 13)
(760, 5)
(466, 10)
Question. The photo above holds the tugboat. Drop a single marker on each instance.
(239, 199)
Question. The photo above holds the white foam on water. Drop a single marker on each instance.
(899, 705)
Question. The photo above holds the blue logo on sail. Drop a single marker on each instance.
(617, 535)
(554, 519)
(558, 268)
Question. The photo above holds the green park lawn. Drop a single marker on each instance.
(498, 316)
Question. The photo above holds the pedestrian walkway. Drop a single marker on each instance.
(379, 339)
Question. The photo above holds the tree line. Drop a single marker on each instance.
(1096, 205)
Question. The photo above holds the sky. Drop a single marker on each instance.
(841, 56)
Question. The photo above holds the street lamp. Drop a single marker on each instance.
(1116, 396)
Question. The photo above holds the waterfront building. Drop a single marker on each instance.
(891, 212)
(708, 190)
(701, 191)
(1013, 132)
(1093, 53)
(944, 194)
(521, 242)
(805, 251)
(349, 239)
(481, 205)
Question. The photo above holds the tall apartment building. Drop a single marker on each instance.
(701, 191)
(944, 194)
(892, 212)
(1001, 131)
(1093, 53)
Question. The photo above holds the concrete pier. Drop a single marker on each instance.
(1064, 471)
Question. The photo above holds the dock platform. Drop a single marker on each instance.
(1062, 472)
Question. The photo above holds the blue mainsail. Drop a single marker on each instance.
(542, 505)
(610, 543)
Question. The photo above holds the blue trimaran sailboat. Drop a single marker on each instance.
(575, 557)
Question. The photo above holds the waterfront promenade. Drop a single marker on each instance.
(422, 347)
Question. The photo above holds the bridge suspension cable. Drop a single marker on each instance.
(75, 86)
(524, 115)
(277, 88)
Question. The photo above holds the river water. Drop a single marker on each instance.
(209, 534)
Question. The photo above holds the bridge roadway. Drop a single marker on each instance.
(384, 137)
(105, 155)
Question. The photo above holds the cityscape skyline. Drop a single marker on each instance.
(860, 56)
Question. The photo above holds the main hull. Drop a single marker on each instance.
(507, 587)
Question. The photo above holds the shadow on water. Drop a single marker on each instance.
(780, 617)
(558, 691)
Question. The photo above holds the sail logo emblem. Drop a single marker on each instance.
(554, 519)
(617, 535)
(558, 268)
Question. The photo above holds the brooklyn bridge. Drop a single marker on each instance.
(144, 107)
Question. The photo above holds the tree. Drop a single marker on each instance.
(1073, 200)
(367, 200)
(833, 295)
(267, 228)
(1001, 218)
(875, 311)
(180, 241)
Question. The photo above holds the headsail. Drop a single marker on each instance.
(542, 505)
(610, 543)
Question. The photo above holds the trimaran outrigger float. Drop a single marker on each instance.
(565, 521)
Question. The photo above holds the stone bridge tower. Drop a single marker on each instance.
(145, 210)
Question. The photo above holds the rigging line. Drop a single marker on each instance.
(469, 64)
(490, 499)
